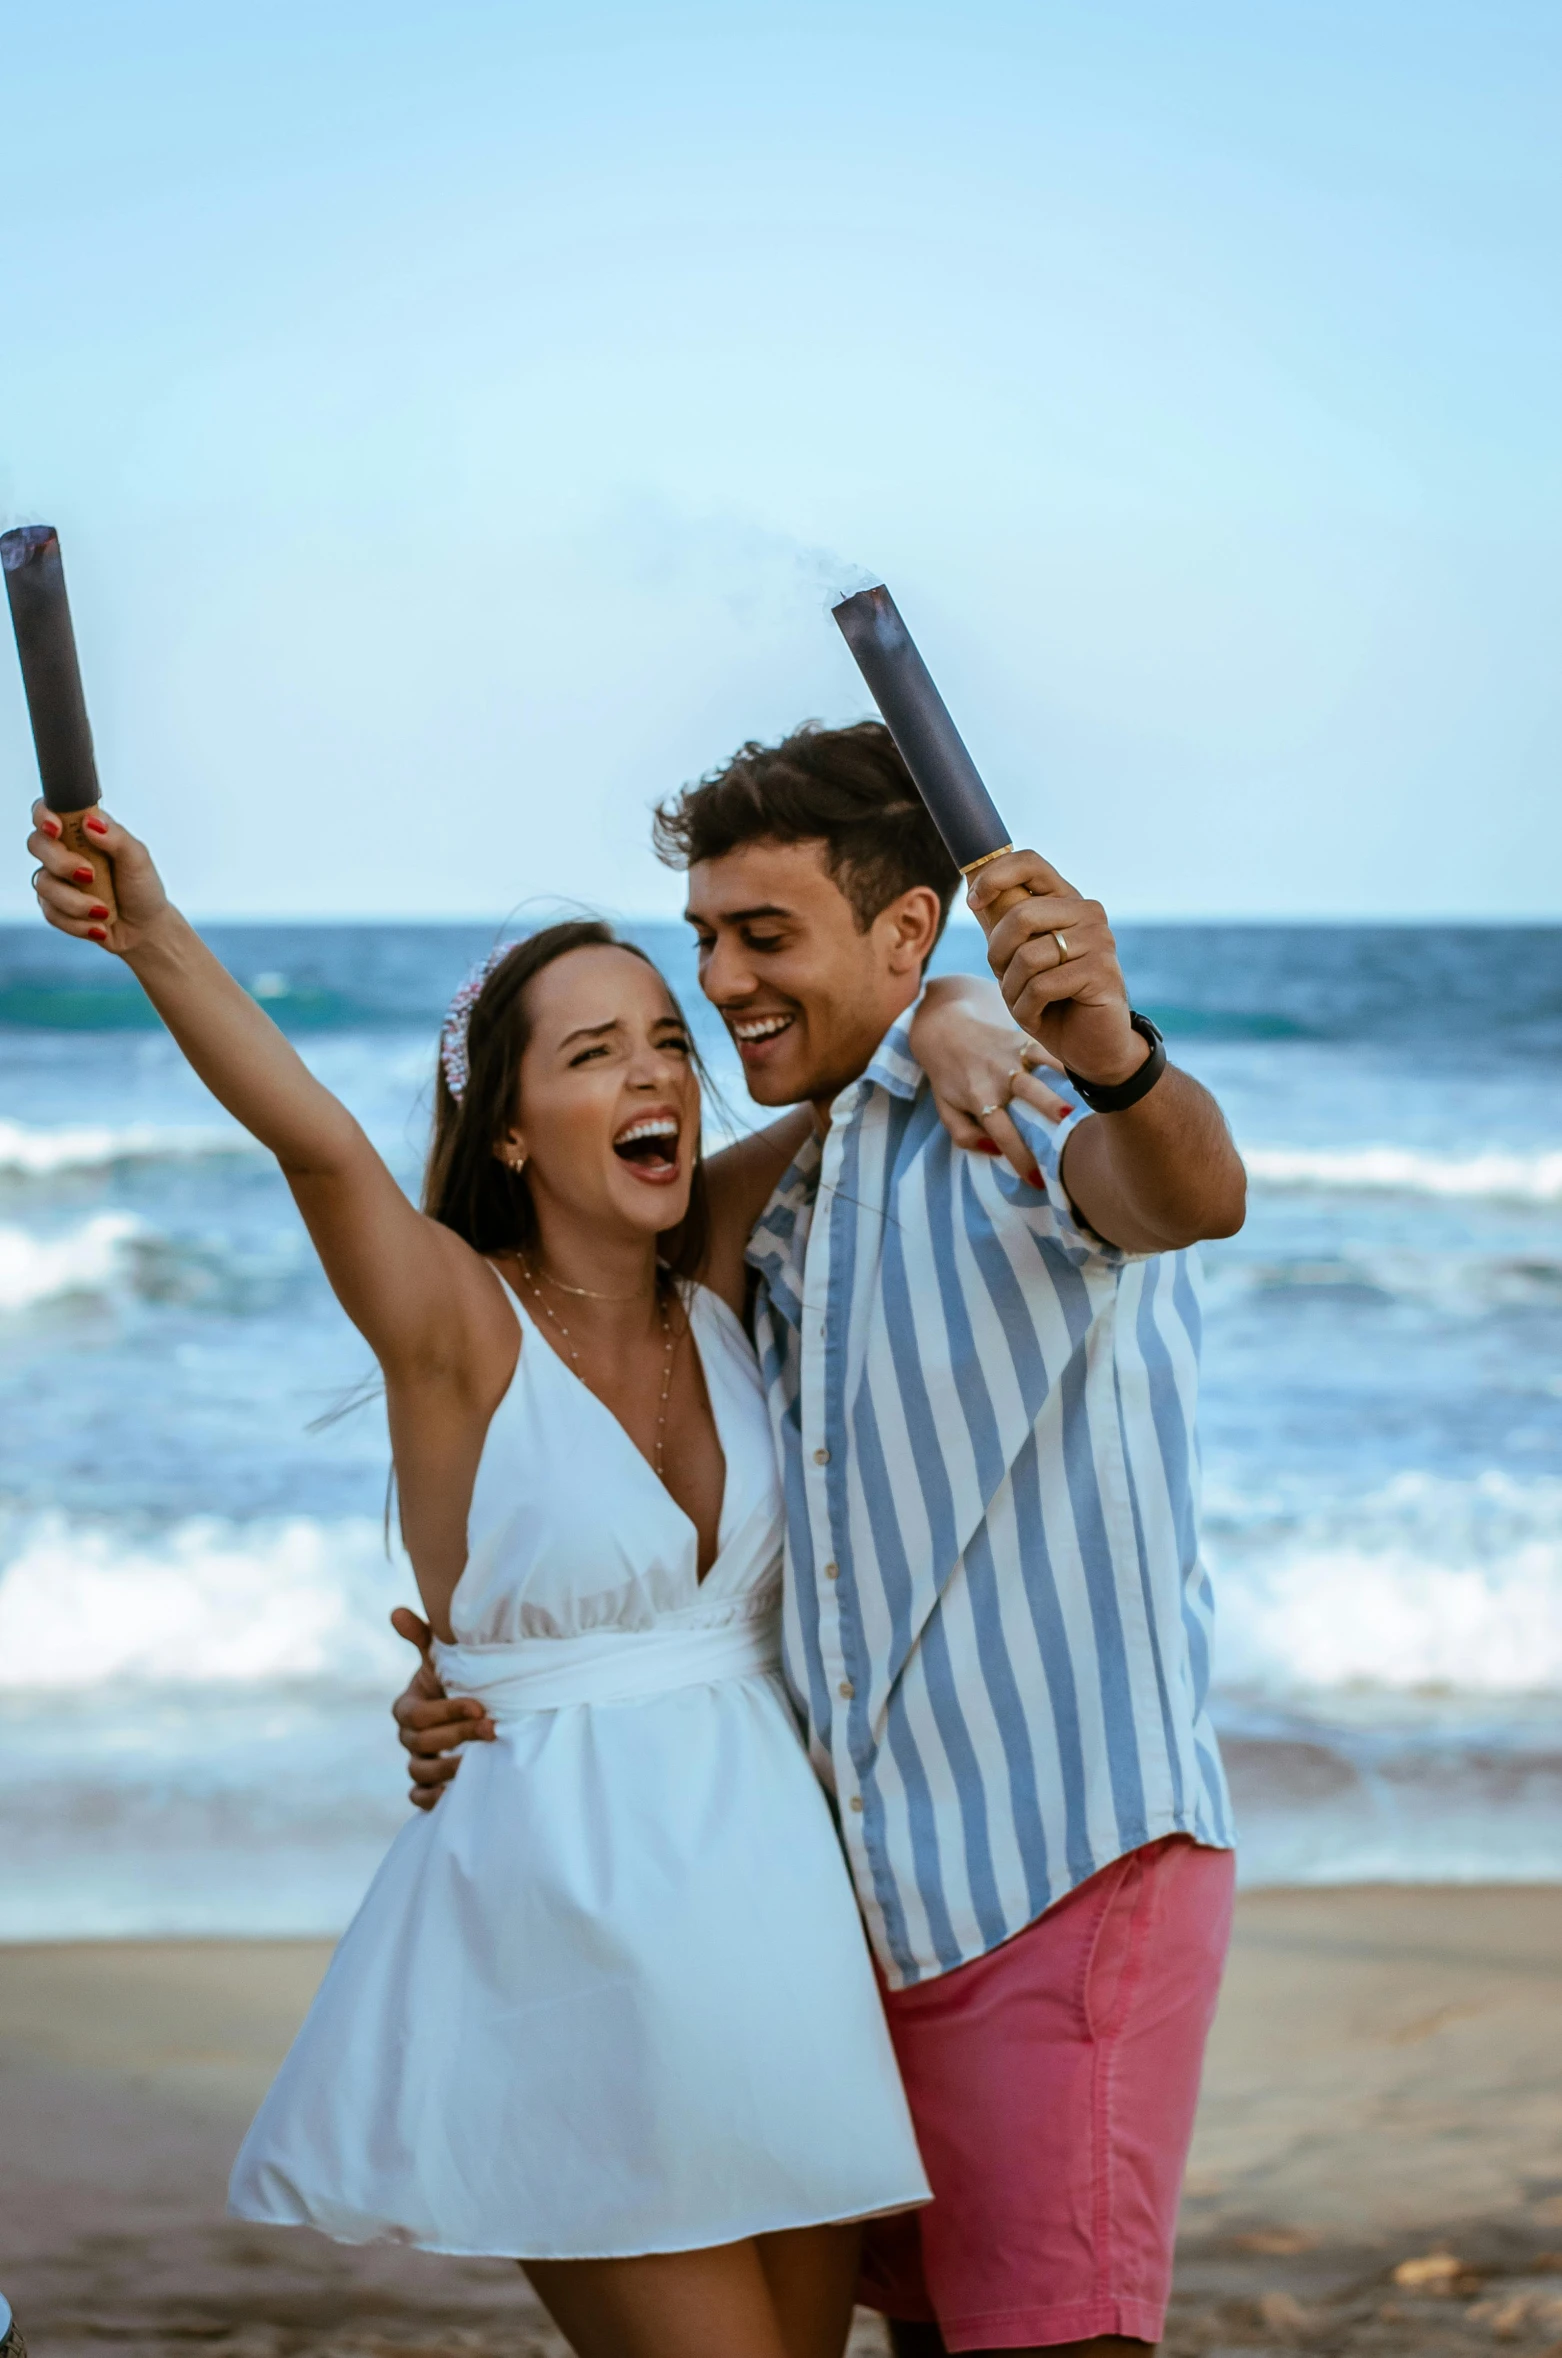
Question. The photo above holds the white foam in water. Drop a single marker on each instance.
(91, 1259)
(1512, 1178)
(41, 1154)
(1429, 1584)
(205, 1602)
(1456, 1585)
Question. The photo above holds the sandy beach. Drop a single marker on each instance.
(1384, 2088)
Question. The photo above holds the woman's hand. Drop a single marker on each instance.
(64, 886)
(432, 1727)
(976, 1061)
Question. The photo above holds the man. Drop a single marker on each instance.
(996, 1622)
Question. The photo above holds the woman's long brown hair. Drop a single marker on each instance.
(465, 1185)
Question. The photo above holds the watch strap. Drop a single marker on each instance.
(1117, 1097)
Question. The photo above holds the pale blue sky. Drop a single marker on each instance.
(455, 412)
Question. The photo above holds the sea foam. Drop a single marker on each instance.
(92, 1259)
(42, 1154)
(1511, 1177)
(202, 1602)
(1428, 1583)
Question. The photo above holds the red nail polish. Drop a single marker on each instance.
(85, 876)
(986, 1146)
(98, 826)
(97, 910)
(1037, 1180)
(95, 933)
(52, 827)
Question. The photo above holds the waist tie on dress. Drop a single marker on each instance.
(607, 1665)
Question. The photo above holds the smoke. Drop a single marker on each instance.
(801, 570)
(761, 574)
(833, 578)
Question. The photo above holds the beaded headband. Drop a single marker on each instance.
(458, 1019)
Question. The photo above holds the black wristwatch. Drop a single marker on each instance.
(1110, 1097)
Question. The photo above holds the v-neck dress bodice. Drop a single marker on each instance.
(571, 1530)
(612, 1996)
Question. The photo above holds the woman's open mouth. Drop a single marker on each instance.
(650, 1147)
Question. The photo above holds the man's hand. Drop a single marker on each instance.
(432, 1727)
(1161, 1174)
(1056, 964)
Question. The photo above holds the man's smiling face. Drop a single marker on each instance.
(805, 991)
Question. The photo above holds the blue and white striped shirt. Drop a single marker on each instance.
(997, 1626)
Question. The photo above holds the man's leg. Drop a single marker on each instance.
(1053, 2085)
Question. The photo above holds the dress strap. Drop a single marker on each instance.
(509, 1293)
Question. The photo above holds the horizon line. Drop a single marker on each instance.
(1461, 922)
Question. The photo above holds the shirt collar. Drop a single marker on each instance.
(772, 1247)
(894, 1067)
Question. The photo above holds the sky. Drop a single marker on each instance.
(458, 415)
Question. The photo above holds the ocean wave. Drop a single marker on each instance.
(1462, 1282)
(1226, 1023)
(1427, 1584)
(45, 1154)
(42, 1004)
(116, 1257)
(93, 1259)
(1502, 1177)
(203, 1603)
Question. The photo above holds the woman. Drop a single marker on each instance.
(609, 2010)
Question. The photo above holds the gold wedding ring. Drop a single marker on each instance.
(1064, 950)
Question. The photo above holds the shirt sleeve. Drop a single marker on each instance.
(1048, 1207)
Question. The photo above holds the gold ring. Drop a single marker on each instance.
(1016, 1073)
(1062, 946)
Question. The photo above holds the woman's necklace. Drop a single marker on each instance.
(670, 1346)
(586, 1293)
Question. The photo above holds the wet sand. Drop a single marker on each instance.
(1384, 2088)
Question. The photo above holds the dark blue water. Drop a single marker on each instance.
(193, 1660)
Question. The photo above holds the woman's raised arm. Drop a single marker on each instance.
(391, 1269)
(977, 1061)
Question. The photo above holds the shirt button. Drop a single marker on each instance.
(821, 1457)
(832, 1571)
(846, 1690)
(857, 1803)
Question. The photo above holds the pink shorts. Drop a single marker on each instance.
(1053, 2085)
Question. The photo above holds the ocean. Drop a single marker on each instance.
(195, 1665)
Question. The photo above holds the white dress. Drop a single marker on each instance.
(613, 1994)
